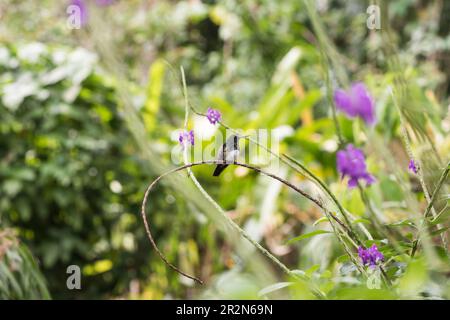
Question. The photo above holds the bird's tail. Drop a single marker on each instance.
(219, 169)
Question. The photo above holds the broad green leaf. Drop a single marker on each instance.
(364, 293)
(274, 287)
(414, 278)
(154, 89)
(98, 267)
(307, 235)
(361, 220)
(323, 219)
(343, 258)
(326, 274)
(439, 231)
(442, 216)
(311, 270)
(402, 223)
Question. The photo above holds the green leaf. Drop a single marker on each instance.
(343, 258)
(441, 217)
(12, 187)
(323, 219)
(326, 274)
(274, 287)
(307, 235)
(414, 278)
(439, 231)
(300, 273)
(311, 270)
(353, 202)
(361, 220)
(154, 90)
(402, 223)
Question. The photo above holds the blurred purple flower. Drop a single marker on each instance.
(351, 162)
(370, 256)
(186, 137)
(81, 4)
(412, 166)
(213, 115)
(356, 102)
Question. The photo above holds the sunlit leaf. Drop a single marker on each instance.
(274, 287)
(307, 235)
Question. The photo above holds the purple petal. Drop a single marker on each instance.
(186, 137)
(369, 179)
(351, 162)
(213, 115)
(343, 102)
(352, 183)
(191, 137)
(412, 166)
(341, 160)
(357, 102)
(363, 102)
(83, 10)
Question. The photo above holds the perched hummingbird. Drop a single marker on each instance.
(228, 153)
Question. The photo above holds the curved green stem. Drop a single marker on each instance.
(242, 232)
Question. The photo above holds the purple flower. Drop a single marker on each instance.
(81, 4)
(356, 102)
(364, 255)
(370, 256)
(213, 115)
(186, 137)
(351, 162)
(412, 166)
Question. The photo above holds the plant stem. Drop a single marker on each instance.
(288, 161)
(430, 205)
(242, 232)
(377, 223)
(408, 148)
(443, 177)
(326, 67)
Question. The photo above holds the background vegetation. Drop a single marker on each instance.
(88, 119)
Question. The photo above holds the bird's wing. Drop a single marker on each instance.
(232, 156)
(222, 153)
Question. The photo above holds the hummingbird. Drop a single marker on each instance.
(228, 153)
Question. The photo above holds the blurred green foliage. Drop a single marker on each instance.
(71, 174)
(71, 180)
(66, 172)
(19, 274)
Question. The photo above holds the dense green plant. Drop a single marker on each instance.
(71, 181)
(78, 143)
(20, 277)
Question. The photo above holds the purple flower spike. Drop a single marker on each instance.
(186, 137)
(356, 102)
(375, 254)
(213, 115)
(363, 255)
(370, 256)
(351, 162)
(412, 166)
